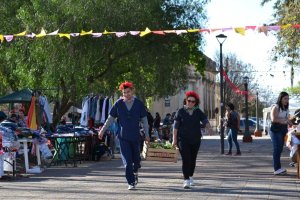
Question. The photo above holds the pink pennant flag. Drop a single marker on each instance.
(250, 27)
(158, 32)
(134, 32)
(96, 35)
(263, 29)
(215, 29)
(8, 38)
(121, 34)
(204, 30)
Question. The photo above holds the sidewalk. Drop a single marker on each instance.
(249, 176)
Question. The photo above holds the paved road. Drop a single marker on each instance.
(249, 176)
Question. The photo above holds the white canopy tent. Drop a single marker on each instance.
(266, 114)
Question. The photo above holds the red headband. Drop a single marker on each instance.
(193, 94)
(125, 85)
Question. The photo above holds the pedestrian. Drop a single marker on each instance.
(187, 134)
(156, 125)
(233, 126)
(129, 111)
(150, 122)
(278, 129)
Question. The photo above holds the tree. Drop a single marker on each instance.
(287, 13)
(67, 70)
(236, 71)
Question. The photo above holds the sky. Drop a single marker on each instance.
(253, 48)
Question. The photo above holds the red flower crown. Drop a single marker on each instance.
(125, 85)
(193, 94)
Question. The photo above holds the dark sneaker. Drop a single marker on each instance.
(228, 154)
(238, 154)
(292, 164)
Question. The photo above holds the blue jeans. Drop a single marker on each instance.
(278, 142)
(232, 136)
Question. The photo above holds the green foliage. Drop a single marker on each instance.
(294, 91)
(287, 12)
(66, 70)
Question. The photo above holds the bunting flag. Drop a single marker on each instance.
(235, 88)
(42, 34)
(147, 31)
(31, 120)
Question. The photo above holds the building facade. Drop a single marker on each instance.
(205, 86)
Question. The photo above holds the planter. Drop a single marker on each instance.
(258, 134)
(159, 154)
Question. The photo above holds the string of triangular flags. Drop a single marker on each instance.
(147, 31)
(235, 88)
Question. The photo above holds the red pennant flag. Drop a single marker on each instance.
(31, 120)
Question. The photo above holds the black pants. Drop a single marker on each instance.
(188, 154)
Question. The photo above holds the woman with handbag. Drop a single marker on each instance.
(279, 128)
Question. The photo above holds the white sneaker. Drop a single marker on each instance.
(131, 187)
(280, 171)
(186, 184)
(192, 181)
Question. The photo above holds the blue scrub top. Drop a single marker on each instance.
(129, 120)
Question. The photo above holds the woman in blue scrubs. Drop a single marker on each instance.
(129, 111)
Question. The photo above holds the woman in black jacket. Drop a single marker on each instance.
(187, 134)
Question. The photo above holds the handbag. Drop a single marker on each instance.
(277, 127)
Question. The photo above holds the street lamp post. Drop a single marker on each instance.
(247, 136)
(257, 133)
(221, 39)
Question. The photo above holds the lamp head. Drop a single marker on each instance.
(246, 79)
(221, 38)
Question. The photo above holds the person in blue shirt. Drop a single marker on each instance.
(129, 111)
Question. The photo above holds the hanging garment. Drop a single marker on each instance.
(45, 105)
(84, 114)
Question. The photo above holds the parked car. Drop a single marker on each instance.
(252, 126)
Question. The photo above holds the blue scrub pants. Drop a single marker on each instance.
(130, 153)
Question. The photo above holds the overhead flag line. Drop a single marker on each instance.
(147, 31)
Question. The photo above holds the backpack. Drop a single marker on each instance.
(234, 120)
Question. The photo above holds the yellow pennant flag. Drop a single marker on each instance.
(193, 30)
(286, 26)
(42, 33)
(240, 30)
(1, 38)
(67, 35)
(86, 33)
(107, 32)
(21, 34)
(146, 32)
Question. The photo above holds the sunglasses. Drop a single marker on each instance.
(191, 101)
